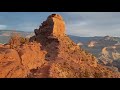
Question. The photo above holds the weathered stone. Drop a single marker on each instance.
(54, 25)
(52, 54)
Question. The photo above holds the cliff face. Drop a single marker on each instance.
(51, 54)
(110, 56)
(92, 44)
(53, 26)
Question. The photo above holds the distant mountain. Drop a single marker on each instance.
(9, 32)
(5, 35)
(78, 39)
(106, 49)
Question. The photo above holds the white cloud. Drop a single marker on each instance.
(93, 23)
(3, 27)
(27, 26)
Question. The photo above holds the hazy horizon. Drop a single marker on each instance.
(83, 24)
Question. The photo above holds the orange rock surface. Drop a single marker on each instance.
(50, 54)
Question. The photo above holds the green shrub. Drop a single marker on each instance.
(24, 40)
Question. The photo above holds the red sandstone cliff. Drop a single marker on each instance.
(50, 54)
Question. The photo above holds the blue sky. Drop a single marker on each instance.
(77, 23)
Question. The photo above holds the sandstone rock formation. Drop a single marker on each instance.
(110, 56)
(79, 44)
(53, 26)
(10, 64)
(51, 54)
(92, 43)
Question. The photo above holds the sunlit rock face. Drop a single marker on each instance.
(53, 26)
(50, 54)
